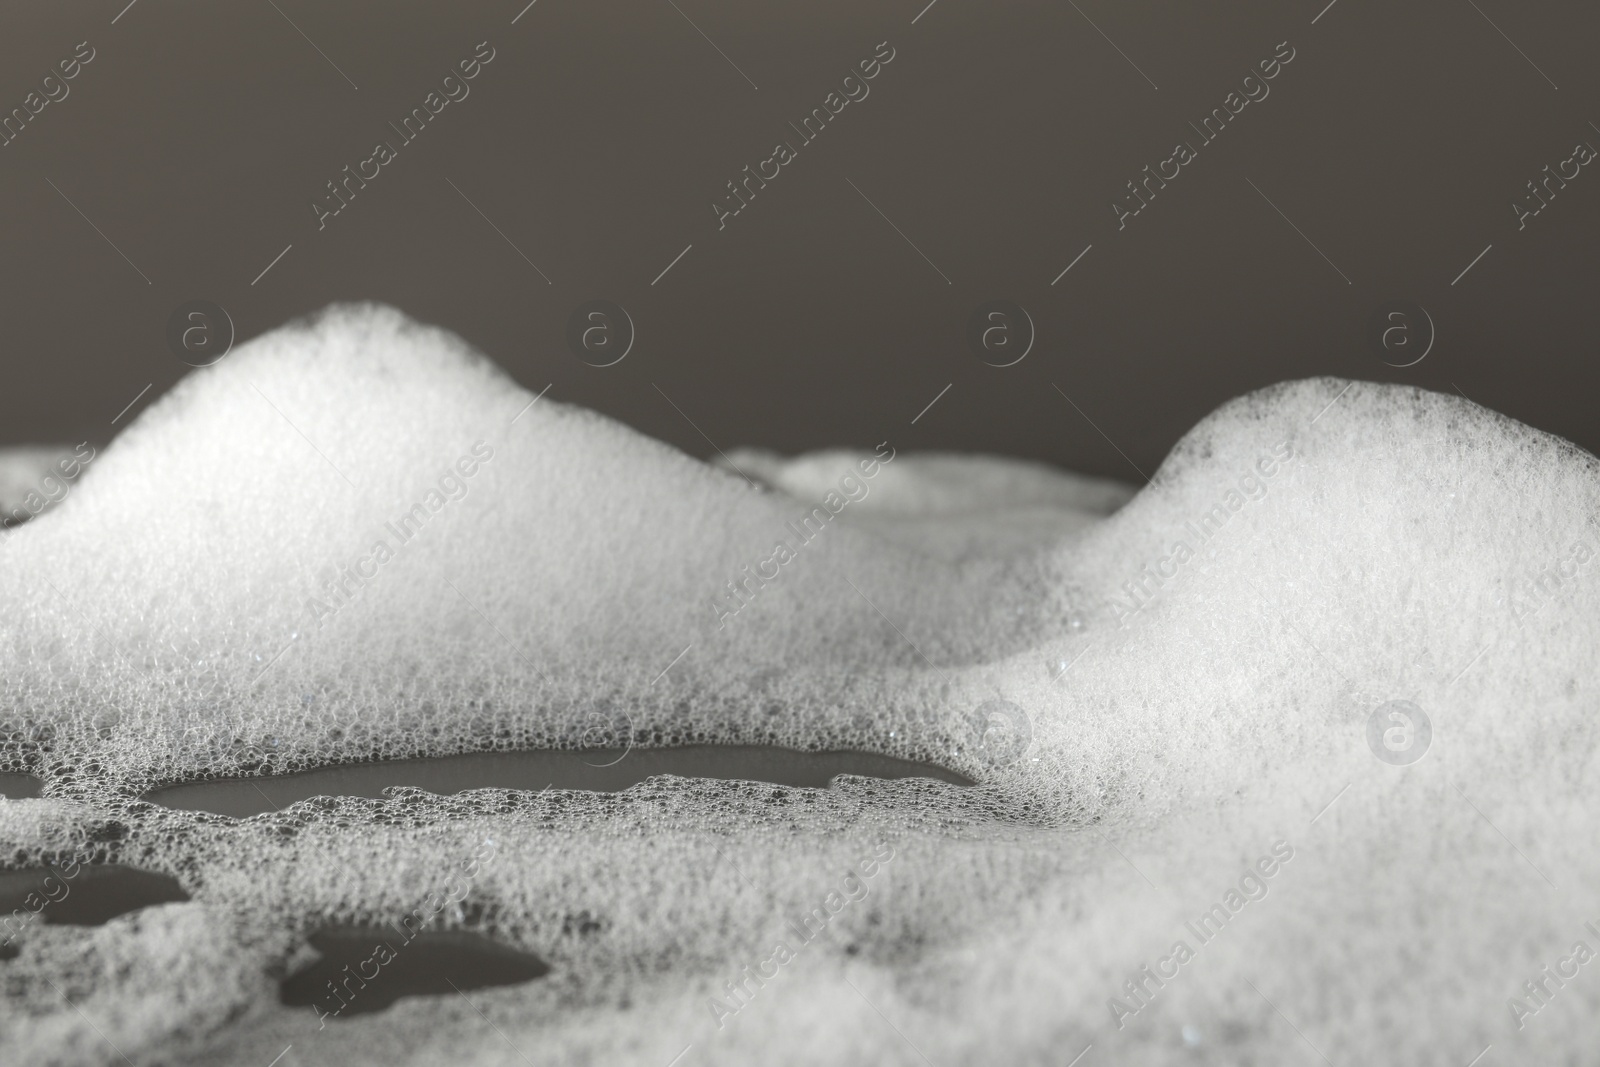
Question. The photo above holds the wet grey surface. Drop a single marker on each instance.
(16, 786)
(602, 770)
(81, 894)
(364, 969)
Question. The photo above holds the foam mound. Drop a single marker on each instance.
(1200, 832)
(33, 478)
(954, 507)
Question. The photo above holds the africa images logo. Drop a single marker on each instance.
(341, 191)
(349, 580)
(853, 887)
(853, 88)
(742, 590)
(1211, 126)
(1143, 590)
(1399, 733)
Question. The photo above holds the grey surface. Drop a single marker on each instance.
(16, 786)
(430, 963)
(83, 895)
(603, 770)
(1385, 159)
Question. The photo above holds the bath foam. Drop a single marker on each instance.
(21, 468)
(932, 483)
(956, 508)
(34, 477)
(1411, 547)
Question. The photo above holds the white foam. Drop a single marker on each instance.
(957, 508)
(160, 627)
(34, 478)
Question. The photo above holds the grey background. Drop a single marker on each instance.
(1391, 149)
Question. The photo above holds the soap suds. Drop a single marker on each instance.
(159, 631)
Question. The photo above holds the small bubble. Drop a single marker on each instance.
(1191, 1035)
